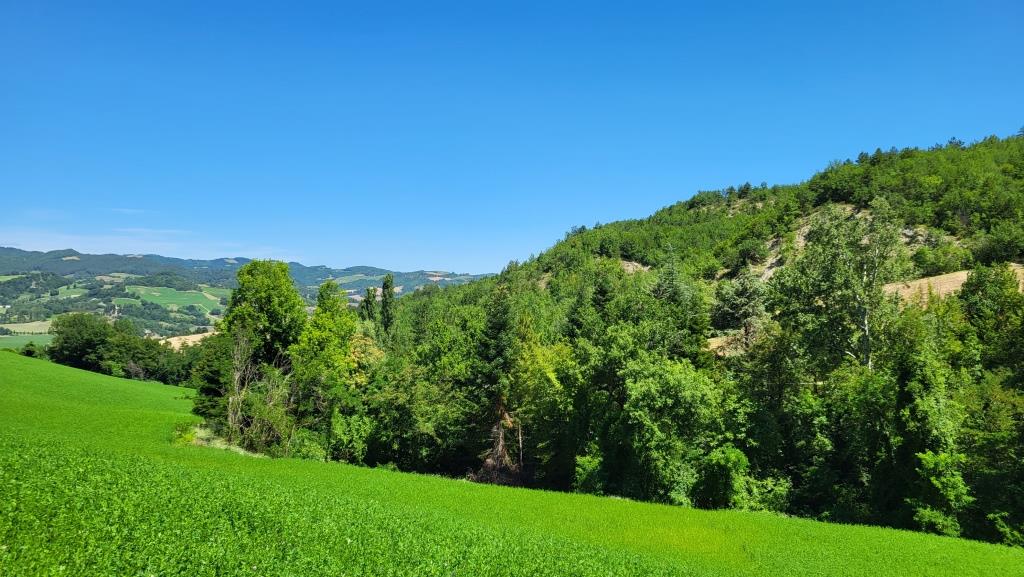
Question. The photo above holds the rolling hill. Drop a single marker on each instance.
(163, 296)
(216, 272)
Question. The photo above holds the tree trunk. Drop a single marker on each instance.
(242, 374)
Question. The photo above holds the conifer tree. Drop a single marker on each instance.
(387, 303)
(368, 306)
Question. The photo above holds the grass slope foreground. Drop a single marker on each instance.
(93, 483)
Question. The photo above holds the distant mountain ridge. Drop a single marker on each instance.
(215, 272)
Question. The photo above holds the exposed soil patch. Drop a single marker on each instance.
(178, 342)
(632, 267)
(941, 285)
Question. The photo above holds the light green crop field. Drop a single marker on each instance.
(18, 341)
(92, 483)
(125, 301)
(173, 298)
(219, 292)
(32, 327)
(7, 277)
(66, 292)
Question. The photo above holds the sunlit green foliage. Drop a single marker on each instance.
(588, 367)
(266, 309)
(92, 482)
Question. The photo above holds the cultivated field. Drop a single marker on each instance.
(219, 292)
(179, 341)
(35, 327)
(18, 341)
(92, 482)
(121, 301)
(176, 299)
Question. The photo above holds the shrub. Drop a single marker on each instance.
(306, 444)
(31, 350)
(589, 477)
(722, 480)
(350, 435)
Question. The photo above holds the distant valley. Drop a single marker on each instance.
(163, 296)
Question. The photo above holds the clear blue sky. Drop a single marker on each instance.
(457, 136)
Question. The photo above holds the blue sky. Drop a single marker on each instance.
(457, 136)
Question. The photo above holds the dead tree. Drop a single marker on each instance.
(243, 374)
(502, 466)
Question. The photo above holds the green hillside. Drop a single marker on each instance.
(588, 367)
(93, 483)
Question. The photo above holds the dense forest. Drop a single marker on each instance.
(587, 368)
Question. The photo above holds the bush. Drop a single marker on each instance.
(351, 433)
(31, 350)
(940, 256)
(722, 480)
(1004, 243)
(771, 494)
(753, 251)
(306, 444)
(589, 478)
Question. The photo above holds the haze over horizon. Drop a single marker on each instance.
(230, 258)
(439, 137)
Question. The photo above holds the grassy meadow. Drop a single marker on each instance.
(95, 481)
(65, 292)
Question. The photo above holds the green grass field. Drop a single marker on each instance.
(92, 483)
(18, 341)
(68, 292)
(125, 301)
(219, 292)
(7, 277)
(175, 299)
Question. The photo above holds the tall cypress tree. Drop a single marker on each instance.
(368, 306)
(387, 303)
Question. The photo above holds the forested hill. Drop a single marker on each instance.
(962, 203)
(587, 367)
(216, 272)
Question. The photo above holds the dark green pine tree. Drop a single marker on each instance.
(368, 306)
(387, 303)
